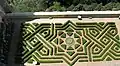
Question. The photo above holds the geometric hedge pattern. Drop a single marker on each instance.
(70, 42)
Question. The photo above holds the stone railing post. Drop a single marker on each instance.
(5, 33)
(2, 34)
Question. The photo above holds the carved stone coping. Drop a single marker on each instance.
(67, 14)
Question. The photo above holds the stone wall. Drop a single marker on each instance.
(50, 38)
(62, 38)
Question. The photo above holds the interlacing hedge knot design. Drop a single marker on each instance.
(70, 42)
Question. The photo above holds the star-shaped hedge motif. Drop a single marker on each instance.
(70, 40)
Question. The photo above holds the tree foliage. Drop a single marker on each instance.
(63, 5)
(29, 5)
(56, 7)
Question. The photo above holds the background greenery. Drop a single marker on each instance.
(64, 5)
